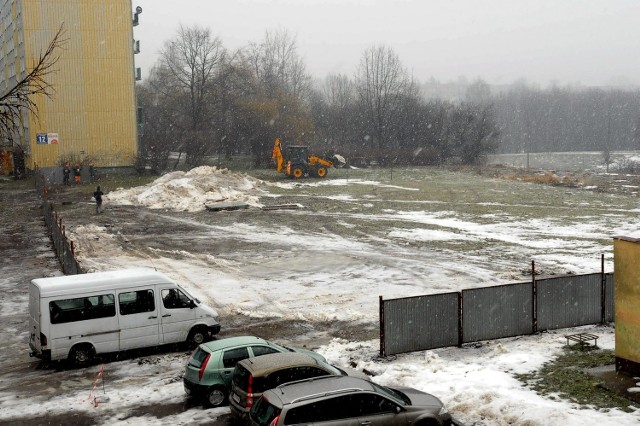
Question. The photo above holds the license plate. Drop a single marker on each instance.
(236, 398)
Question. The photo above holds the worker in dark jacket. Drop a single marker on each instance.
(98, 196)
(66, 173)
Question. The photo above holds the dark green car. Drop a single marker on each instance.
(209, 371)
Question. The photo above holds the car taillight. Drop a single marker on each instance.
(250, 392)
(274, 422)
(203, 367)
(43, 340)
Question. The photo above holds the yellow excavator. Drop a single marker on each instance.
(296, 161)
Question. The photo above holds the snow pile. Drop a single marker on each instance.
(192, 190)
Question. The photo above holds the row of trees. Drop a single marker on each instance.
(202, 99)
(565, 119)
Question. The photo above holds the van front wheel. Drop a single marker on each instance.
(198, 335)
(82, 355)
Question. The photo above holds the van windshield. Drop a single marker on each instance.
(187, 293)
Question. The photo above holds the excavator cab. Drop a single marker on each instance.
(297, 158)
(297, 154)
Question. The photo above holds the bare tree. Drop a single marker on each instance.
(382, 84)
(22, 95)
(277, 66)
(283, 91)
(188, 65)
(478, 92)
(339, 90)
(341, 125)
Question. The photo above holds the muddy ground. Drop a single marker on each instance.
(26, 253)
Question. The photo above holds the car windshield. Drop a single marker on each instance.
(396, 395)
(283, 347)
(241, 377)
(263, 412)
(198, 357)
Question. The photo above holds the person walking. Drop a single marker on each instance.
(98, 196)
(66, 173)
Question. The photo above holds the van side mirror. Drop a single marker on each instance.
(192, 304)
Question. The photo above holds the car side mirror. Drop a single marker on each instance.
(192, 304)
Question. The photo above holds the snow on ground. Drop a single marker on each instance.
(475, 382)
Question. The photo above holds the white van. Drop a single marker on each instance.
(78, 316)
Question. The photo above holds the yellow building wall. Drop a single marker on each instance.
(93, 107)
(626, 252)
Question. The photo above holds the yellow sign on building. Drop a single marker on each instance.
(626, 252)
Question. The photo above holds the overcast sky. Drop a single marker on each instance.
(588, 42)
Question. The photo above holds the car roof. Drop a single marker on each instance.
(317, 387)
(218, 344)
(277, 361)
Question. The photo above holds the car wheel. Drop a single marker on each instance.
(82, 355)
(216, 396)
(198, 335)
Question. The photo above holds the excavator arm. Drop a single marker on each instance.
(277, 155)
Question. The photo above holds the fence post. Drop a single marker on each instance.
(534, 299)
(382, 345)
(603, 291)
(460, 324)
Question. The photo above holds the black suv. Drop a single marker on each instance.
(342, 400)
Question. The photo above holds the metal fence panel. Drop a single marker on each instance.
(420, 323)
(569, 301)
(497, 312)
(609, 309)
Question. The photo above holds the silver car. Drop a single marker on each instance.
(343, 400)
